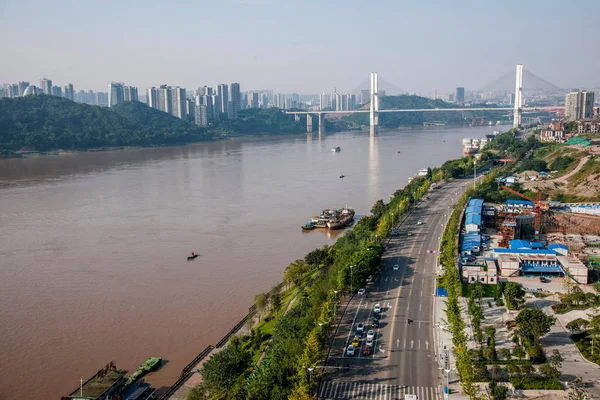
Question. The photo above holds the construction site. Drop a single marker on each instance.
(530, 238)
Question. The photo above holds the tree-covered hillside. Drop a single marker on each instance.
(394, 120)
(257, 121)
(47, 123)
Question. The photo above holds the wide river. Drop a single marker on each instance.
(93, 246)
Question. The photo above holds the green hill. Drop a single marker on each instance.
(45, 123)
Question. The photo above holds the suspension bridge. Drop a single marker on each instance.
(374, 110)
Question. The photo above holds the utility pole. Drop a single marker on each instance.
(474, 173)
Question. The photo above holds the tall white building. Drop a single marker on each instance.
(116, 93)
(579, 105)
(22, 86)
(223, 93)
(46, 86)
(152, 97)
(69, 92)
(324, 101)
(179, 102)
(164, 99)
(236, 100)
(130, 93)
(252, 100)
(201, 115)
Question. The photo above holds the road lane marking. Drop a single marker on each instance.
(412, 344)
(420, 305)
(352, 328)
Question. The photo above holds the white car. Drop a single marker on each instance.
(369, 343)
(377, 308)
(370, 335)
(396, 267)
(350, 350)
(361, 291)
(419, 222)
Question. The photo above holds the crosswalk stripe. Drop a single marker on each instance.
(347, 390)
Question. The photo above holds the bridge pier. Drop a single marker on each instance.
(309, 125)
(322, 127)
(518, 110)
(374, 106)
(296, 117)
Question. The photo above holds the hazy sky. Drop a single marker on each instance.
(304, 46)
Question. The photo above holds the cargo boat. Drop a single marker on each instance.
(331, 219)
(108, 382)
(150, 365)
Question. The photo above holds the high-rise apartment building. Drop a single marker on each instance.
(116, 93)
(152, 98)
(236, 100)
(130, 93)
(12, 90)
(69, 92)
(179, 102)
(324, 101)
(164, 99)
(460, 95)
(46, 86)
(201, 115)
(365, 96)
(579, 105)
(56, 91)
(252, 99)
(223, 93)
(22, 86)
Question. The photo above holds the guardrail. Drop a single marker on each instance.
(187, 372)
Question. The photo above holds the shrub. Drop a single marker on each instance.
(536, 383)
(500, 303)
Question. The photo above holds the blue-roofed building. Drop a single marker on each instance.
(536, 245)
(472, 222)
(519, 245)
(471, 244)
(534, 262)
(559, 248)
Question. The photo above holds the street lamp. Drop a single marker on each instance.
(334, 302)
(351, 291)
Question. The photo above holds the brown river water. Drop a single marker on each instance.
(93, 245)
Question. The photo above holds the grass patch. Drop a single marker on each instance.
(584, 344)
(488, 290)
(592, 166)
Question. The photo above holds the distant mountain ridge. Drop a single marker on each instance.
(531, 82)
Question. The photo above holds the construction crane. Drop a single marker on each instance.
(537, 208)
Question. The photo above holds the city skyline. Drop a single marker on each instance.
(413, 42)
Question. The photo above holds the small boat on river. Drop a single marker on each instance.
(342, 176)
(193, 256)
(336, 149)
(309, 226)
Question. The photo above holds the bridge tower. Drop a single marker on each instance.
(517, 113)
(374, 106)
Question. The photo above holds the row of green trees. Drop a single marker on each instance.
(290, 366)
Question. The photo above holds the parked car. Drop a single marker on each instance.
(367, 350)
(543, 280)
(396, 267)
(369, 343)
(419, 222)
(377, 308)
(361, 291)
(375, 323)
(360, 327)
(356, 341)
(370, 335)
(350, 350)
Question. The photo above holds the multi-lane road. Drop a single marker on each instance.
(404, 357)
